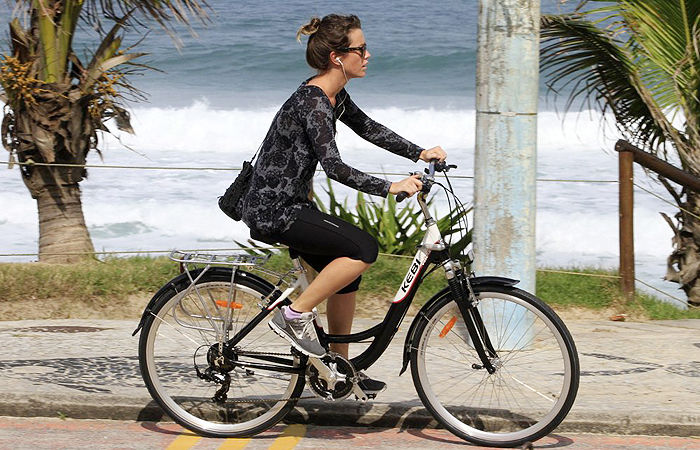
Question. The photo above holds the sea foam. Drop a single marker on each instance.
(130, 209)
(201, 127)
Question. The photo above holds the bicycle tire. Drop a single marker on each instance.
(170, 346)
(537, 375)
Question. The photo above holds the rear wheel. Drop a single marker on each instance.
(536, 377)
(181, 337)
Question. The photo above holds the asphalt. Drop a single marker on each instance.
(636, 378)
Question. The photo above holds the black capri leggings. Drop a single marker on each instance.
(320, 238)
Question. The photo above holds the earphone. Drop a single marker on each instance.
(344, 74)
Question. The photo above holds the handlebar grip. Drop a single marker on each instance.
(401, 196)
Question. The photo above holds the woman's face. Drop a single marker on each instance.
(354, 62)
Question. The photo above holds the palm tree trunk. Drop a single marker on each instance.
(684, 262)
(56, 130)
(63, 236)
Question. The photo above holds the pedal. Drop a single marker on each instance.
(360, 394)
(367, 397)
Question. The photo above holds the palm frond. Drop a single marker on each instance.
(592, 64)
(664, 29)
(163, 12)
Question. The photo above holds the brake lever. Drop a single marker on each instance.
(442, 166)
(401, 196)
(438, 166)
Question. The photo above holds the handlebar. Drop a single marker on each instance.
(401, 196)
(427, 178)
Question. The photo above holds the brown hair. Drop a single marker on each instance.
(326, 35)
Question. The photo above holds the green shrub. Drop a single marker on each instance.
(398, 230)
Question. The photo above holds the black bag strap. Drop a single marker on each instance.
(256, 152)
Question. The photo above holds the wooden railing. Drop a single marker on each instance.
(629, 154)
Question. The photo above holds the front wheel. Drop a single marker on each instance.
(536, 377)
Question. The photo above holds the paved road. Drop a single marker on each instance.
(636, 378)
(33, 433)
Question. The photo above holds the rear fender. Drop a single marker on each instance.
(182, 282)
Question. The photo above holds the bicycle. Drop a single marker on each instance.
(492, 363)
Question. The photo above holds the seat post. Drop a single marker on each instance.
(305, 271)
(296, 260)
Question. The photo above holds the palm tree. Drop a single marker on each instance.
(56, 104)
(639, 60)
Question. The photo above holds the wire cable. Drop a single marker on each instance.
(10, 164)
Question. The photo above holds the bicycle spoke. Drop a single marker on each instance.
(526, 394)
(197, 344)
(180, 347)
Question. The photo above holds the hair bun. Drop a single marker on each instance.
(309, 29)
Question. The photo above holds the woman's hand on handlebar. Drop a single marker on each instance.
(409, 185)
(433, 153)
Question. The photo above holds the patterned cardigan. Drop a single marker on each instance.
(302, 134)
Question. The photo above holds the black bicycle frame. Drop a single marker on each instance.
(384, 331)
(381, 333)
(432, 250)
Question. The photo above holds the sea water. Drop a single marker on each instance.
(214, 98)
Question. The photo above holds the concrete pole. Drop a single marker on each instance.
(507, 72)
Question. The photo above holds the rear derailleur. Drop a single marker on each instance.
(217, 372)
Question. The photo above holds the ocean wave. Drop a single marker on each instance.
(201, 127)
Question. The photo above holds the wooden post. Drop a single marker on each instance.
(629, 154)
(627, 224)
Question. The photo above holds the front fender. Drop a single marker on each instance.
(422, 316)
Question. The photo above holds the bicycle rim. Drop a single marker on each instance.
(533, 387)
(179, 335)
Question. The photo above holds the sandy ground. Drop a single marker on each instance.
(132, 307)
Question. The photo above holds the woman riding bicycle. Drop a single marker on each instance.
(276, 205)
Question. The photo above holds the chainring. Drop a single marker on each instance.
(342, 368)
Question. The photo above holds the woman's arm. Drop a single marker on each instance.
(317, 118)
(375, 132)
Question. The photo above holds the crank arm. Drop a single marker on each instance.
(323, 370)
(327, 374)
(359, 393)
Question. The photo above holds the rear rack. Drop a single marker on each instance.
(224, 260)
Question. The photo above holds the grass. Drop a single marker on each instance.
(34, 290)
(598, 290)
(90, 280)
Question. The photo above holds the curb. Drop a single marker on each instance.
(403, 415)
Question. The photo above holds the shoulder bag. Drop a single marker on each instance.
(230, 202)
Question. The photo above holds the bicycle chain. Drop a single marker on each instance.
(247, 352)
(275, 400)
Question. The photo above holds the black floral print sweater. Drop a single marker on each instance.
(302, 134)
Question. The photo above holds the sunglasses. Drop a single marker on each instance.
(362, 49)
